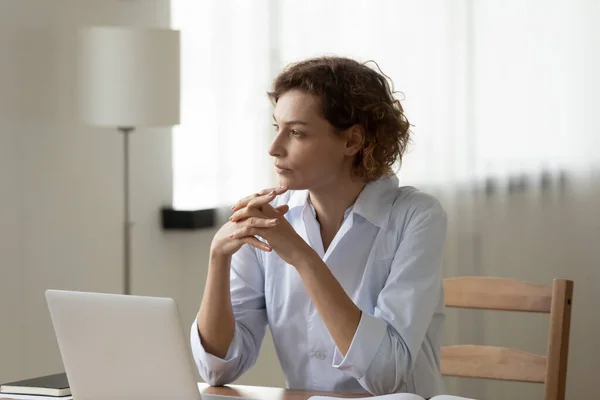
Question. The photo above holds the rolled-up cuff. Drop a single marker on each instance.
(209, 361)
(368, 338)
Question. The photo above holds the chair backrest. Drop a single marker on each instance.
(502, 363)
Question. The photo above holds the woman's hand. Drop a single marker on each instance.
(280, 236)
(246, 200)
(224, 246)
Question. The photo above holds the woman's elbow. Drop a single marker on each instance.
(381, 386)
(389, 374)
(216, 378)
(217, 381)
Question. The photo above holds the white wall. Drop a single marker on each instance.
(61, 190)
(538, 240)
(61, 201)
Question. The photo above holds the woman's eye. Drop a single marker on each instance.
(276, 127)
(297, 133)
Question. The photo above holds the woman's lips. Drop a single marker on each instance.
(282, 170)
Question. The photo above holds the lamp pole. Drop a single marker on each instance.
(127, 224)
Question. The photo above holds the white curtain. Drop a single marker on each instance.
(220, 147)
(494, 89)
(502, 96)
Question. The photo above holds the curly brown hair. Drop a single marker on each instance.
(351, 94)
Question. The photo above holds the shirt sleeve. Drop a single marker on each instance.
(385, 346)
(248, 302)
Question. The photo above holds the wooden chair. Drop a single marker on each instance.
(490, 362)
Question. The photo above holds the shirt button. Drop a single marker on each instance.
(319, 355)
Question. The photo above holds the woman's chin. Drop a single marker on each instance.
(283, 181)
(291, 184)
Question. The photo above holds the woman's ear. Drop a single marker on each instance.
(355, 139)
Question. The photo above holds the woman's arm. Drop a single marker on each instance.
(226, 345)
(216, 323)
(215, 320)
(226, 339)
(381, 350)
(338, 311)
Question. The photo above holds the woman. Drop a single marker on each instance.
(347, 273)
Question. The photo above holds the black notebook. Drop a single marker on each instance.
(50, 385)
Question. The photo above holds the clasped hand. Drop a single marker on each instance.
(254, 216)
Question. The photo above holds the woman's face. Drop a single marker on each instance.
(308, 153)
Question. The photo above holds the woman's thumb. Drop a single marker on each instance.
(283, 208)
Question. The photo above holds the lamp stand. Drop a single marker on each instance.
(127, 224)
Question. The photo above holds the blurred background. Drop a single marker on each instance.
(502, 96)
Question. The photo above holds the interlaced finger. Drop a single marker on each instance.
(244, 202)
(254, 242)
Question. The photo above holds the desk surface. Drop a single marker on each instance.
(267, 393)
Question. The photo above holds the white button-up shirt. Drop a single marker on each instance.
(387, 255)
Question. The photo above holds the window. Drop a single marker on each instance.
(484, 101)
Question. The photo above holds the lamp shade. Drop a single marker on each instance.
(129, 77)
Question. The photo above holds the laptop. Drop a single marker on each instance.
(123, 347)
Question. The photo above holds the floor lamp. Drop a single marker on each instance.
(128, 78)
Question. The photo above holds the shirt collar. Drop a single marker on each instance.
(298, 198)
(374, 202)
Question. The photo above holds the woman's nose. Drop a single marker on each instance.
(277, 148)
